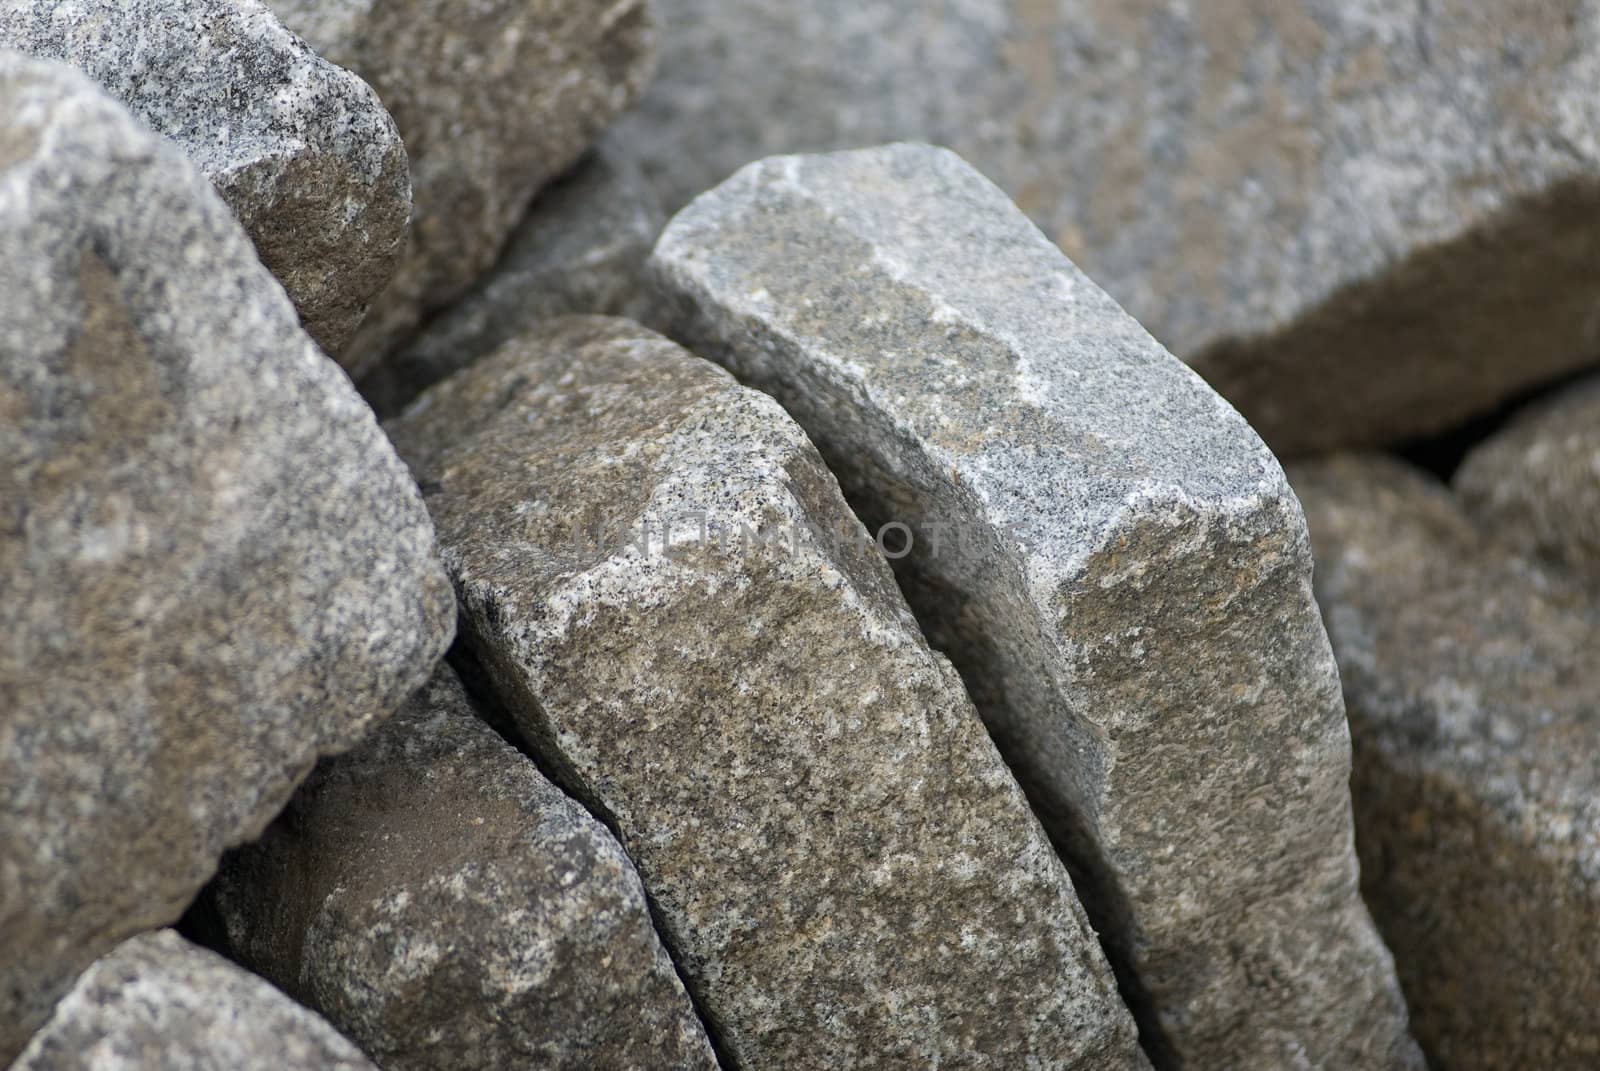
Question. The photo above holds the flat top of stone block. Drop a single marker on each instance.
(636, 398)
(989, 346)
(222, 78)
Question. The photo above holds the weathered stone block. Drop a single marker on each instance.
(158, 1003)
(692, 631)
(449, 908)
(215, 568)
(1109, 554)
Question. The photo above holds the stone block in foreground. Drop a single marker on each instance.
(1474, 698)
(158, 1003)
(301, 150)
(688, 626)
(1109, 554)
(450, 909)
(214, 567)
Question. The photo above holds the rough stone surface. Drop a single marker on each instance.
(581, 249)
(844, 869)
(1109, 554)
(1346, 215)
(494, 99)
(449, 908)
(1472, 686)
(158, 1003)
(301, 150)
(215, 569)
(1536, 484)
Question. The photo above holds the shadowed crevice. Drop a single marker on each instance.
(492, 710)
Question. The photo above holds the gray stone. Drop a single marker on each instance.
(1474, 700)
(581, 249)
(159, 1003)
(449, 908)
(1109, 554)
(1359, 220)
(215, 568)
(1535, 485)
(494, 99)
(301, 150)
(845, 871)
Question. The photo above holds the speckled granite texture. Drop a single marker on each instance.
(450, 909)
(1109, 554)
(1344, 213)
(1474, 697)
(158, 1003)
(718, 662)
(494, 98)
(301, 150)
(215, 568)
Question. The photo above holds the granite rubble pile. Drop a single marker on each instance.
(574, 534)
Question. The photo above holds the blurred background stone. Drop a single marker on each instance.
(581, 249)
(1346, 216)
(1474, 697)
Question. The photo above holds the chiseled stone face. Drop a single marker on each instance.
(692, 630)
(1474, 698)
(448, 908)
(580, 249)
(301, 150)
(494, 98)
(1343, 213)
(1535, 484)
(158, 1003)
(1109, 554)
(215, 568)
